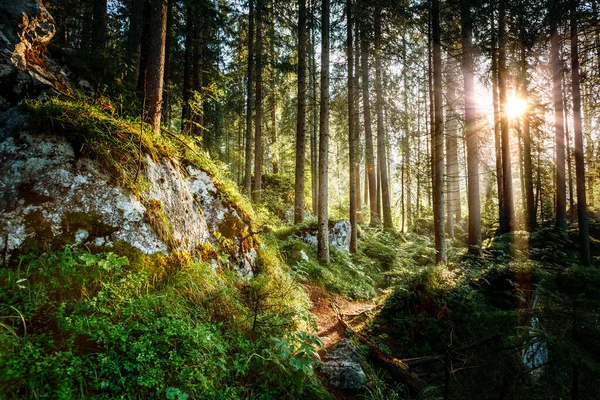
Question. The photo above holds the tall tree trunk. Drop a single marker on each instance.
(353, 141)
(381, 144)
(359, 216)
(199, 65)
(188, 67)
(301, 117)
(369, 151)
(258, 150)
(314, 173)
(166, 105)
(497, 134)
(557, 94)
(571, 209)
(133, 47)
(145, 46)
(584, 239)
(274, 139)
(438, 139)
(508, 222)
(406, 165)
(530, 214)
(99, 25)
(249, 95)
(472, 131)
(323, 217)
(451, 152)
(153, 81)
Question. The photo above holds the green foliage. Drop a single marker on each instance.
(278, 194)
(80, 325)
(345, 274)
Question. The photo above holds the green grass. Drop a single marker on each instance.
(81, 325)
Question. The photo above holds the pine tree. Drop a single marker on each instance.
(301, 117)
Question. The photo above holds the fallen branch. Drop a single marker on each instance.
(395, 367)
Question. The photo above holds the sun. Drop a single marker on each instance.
(515, 107)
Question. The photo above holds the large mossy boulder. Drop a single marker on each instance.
(51, 194)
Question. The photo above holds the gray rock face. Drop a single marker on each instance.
(48, 195)
(342, 367)
(26, 27)
(339, 236)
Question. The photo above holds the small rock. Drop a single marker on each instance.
(342, 367)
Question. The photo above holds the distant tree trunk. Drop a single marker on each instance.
(199, 65)
(569, 178)
(258, 150)
(153, 81)
(381, 144)
(166, 105)
(359, 216)
(584, 239)
(301, 117)
(274, 139)
(188, 81)
(133, 47)
(561, 192)
(353, 141)
(451, 153)
(497, 134)
(99, 25)
(323, 217)
(438, 140)
(369, 151)
(406, 165)
(314, 173)
(249, 94)
(429, 139)
(508, 222)
(145, 46)
(472, 131)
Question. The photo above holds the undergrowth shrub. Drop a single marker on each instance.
(80, 325)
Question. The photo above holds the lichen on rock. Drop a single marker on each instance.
(49, 195)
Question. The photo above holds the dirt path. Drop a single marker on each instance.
(329, 328)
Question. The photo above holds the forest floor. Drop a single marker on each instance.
(327, 308)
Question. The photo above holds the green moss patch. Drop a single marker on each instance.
(97, 131)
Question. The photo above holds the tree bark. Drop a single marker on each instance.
(249, 95)
(301, 117)
(188, 81)
(584, 239)
(274, 138)
(258, 150)
(359, 217)
(530, 214)
(507, 224)
(166, 106)
(472, 131)
(99, 25)
(133, 47)
(497, 134)
(381, 144)
(353, 142)
(451, 153)
(153, 82)
(557, 94)
(314, 173)
(369, 151)
(438, 139)
(323, 217)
